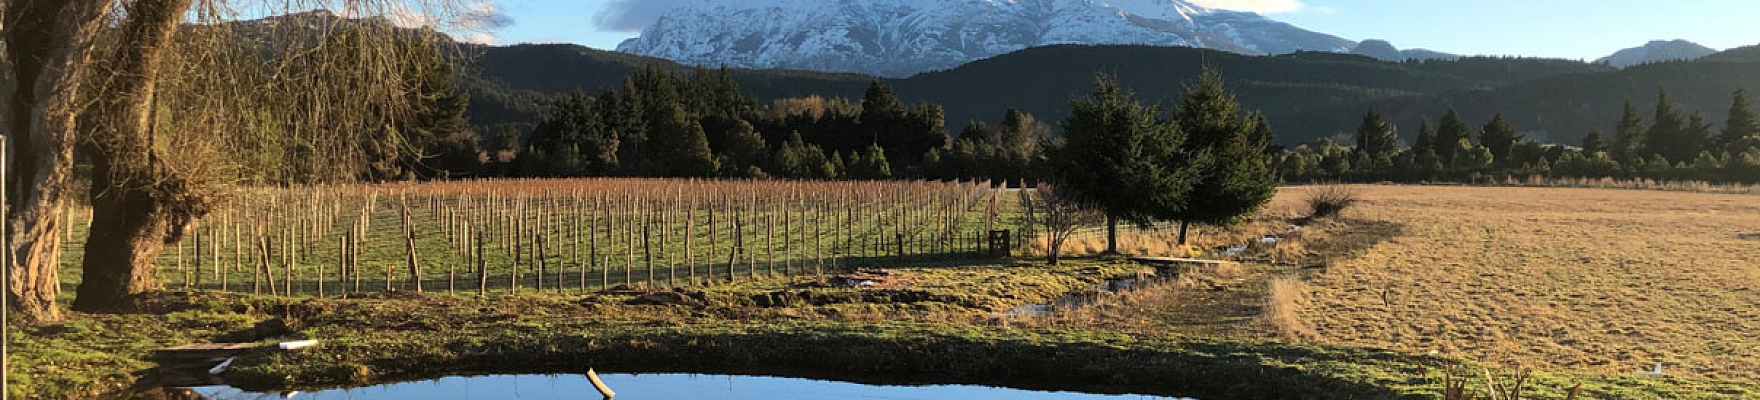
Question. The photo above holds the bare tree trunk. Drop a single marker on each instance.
(43, 46)
(138, 204)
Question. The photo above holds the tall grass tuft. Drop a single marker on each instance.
(1331, 200)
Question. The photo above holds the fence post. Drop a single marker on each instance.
(482, 269)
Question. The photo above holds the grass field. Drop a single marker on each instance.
(1594, 280)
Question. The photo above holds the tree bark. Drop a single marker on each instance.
(139, 205)
(46, 45)
(1183, 225)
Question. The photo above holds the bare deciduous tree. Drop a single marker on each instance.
(175, 98)
(1060, 217)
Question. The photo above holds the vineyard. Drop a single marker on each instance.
(568, 235)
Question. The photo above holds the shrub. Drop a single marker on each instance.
(1330, 200)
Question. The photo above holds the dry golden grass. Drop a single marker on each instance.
(1281, 304)
(1596, 280)
(1163, 239)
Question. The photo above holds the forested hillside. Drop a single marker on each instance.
(1306, 95)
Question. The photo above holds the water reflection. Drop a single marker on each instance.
(656, 386)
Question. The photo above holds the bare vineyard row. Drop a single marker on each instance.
(579, 234)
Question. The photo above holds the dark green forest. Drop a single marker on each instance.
(565, 110)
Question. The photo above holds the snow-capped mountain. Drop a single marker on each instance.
(898, 38)
(1657, 51)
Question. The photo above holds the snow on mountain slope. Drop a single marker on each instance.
(898, 38)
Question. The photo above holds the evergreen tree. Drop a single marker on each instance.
(1593, 144)
(1628, 135)
(1377, 139)
(1238, 182)
(1741, 124)
(1264, 136)
(1121, 157)
(677, 146)
(1448, 136)
(1426, 137)
(869, 164)
(1694, 138)
(1499, 137)
(744, 148)
(572, 139)
(1666, 131)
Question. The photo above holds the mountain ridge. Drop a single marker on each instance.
(1657, 51)
(900, 38)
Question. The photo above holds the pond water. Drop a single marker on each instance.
(655, 386)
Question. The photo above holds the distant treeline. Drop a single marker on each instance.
(700, 124)
(1673, 145)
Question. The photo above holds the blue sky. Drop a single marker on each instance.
(1580, 29)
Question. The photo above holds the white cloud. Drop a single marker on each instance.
(473, 21)
(1258, 6)
(635, 15)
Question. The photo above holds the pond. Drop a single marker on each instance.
(656, 386)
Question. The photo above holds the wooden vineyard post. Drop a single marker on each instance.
(538, 258)
(819, 240)
(182, 269)
(237, 255)
(267, 270)
(629, 246)
(341, 267)
(647, 251)
(354, 256)
(690, 224)
(733, 254)
(605, 272)
(770, 240)
(409, 240)
(482, 269)
(198, 260)
(747, 219)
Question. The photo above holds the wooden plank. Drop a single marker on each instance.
(1176, 261)
(207, 350)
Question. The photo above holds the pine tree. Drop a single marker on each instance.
(1694, 138)
(1426, 137)
(1448, 136)
(1377, 139)
(1238, 181)
(1628, 135)
(743, 149)
(678, 147)
(1499, 137)
(1264, 137)
(1593, 144)
(1741, 124)
(1666, 131)
(1122, 158)
(869, 164)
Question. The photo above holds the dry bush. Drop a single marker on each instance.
(1281, 303)
(1331, 200)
